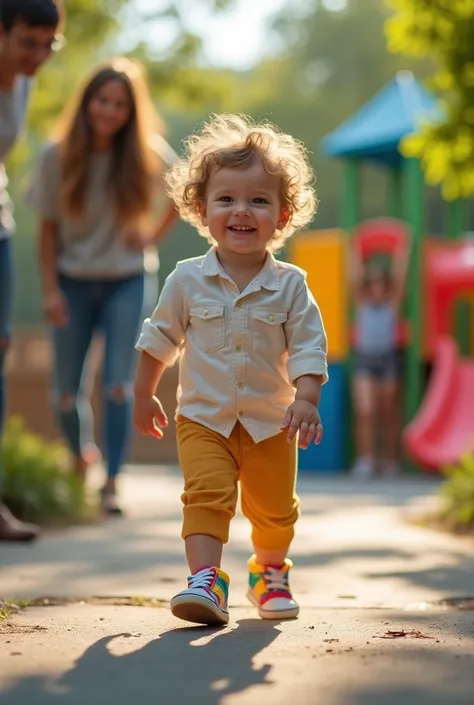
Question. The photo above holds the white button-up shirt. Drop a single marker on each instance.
(240, 352)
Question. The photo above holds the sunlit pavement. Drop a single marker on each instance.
(372, 628)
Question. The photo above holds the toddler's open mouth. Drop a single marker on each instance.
(241, 229)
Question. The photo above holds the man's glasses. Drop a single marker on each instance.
(33, 46)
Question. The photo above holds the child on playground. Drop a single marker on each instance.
(252, 353)
(378, 292)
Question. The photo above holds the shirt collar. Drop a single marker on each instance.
(211, 266)
(268, 278)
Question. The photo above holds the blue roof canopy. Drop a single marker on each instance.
(375, 130)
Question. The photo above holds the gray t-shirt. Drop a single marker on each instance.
(376, 328)
(92, 247)
(13, 105)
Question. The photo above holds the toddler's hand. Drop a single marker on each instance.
(149, 417)
(304, 417)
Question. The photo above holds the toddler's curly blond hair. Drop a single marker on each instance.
(234, 141)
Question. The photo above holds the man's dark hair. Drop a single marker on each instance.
(34, 13)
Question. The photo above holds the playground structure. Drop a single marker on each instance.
(439, 419)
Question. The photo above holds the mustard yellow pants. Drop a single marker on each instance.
(213, 466)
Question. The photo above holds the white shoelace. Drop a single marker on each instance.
(276, 580)
(203, 579)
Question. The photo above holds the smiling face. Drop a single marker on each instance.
(109, 109)
(243, 208)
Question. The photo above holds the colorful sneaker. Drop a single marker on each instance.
(269, 590)
(205, 600)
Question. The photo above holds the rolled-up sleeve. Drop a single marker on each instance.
(164, 332)
(306, 337)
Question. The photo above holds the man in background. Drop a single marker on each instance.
(28, 36)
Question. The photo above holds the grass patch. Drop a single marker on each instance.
(8, 608)
(4, 614)
(37, 483)
(104, 601)
(457, 497)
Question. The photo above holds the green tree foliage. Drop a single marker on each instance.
(89, 24)
(184, 93)
(323, 67)
(332, 62)
(442, 30)
(95, 30)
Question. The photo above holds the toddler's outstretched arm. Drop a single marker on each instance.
(148, 415)
(161, 337)
(400, 265)
(307, 366)
(303, 414)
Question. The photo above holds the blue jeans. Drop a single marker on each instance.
(113, 307)
(6, 305)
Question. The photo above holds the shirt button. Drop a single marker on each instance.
(240, 385)
(206, 312)
(238, 348)
(271, 318)
(238, 304)
(241, 413)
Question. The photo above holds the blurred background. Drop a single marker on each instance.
(306, 65)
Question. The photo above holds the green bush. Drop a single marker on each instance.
(37, 484)
(457, 494)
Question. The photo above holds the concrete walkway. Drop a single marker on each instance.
(361, 574)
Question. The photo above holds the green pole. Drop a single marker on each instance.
(457, 218)
(350, 205)
(395, 200)
(457, 224)
(350, 217)
(413, 202)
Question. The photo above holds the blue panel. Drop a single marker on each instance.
(376, 129)
(330, 455)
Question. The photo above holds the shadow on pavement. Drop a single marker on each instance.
(147, 550)
(168, 670)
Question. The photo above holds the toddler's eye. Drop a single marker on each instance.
(260, 200)
(225, 199)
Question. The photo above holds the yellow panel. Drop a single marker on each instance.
(322, 255)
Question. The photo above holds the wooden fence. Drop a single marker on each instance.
(29, 365)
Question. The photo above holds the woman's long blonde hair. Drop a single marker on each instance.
(134, 164)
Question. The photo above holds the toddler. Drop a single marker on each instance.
(252, 359)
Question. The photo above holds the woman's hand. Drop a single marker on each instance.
(138, 239)
(56, 309)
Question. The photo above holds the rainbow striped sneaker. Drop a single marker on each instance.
(205, 599)
(269, 590)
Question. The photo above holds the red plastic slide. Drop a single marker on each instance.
(443, 429)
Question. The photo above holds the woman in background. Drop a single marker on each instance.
(378, 294)
(95, 191)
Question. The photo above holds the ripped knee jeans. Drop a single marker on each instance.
(112, 308)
